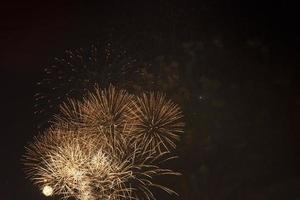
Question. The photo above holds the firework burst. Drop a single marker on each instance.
(108, 145)
(158, 122)
(102, 112)
(107, 111)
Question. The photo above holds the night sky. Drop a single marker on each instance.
(246, 144)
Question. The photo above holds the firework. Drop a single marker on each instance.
(107, 145)
(108, 110)
(159, 122)
(74, 164)
(102, 112)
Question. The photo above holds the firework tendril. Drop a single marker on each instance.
(107, 145)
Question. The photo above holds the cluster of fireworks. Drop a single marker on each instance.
(107, 145)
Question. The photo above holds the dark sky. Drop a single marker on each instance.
(33, 33)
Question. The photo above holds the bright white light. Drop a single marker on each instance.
(47, 190)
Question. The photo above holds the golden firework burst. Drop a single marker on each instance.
(105, 146)
(158, 122)
(101, 111)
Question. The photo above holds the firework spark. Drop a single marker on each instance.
(108, 145)
(70, 75)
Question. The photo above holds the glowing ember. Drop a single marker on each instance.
(47, 190)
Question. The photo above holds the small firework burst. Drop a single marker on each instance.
(104, 111)
(107, 110)
(158, 122)
(108, 145)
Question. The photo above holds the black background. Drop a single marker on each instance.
(33, 33)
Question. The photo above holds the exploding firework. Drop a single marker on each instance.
(102, 112)
(151, 120)
(59, 161)
(159, 122)
(74, 164)
(107, 111)
(107, 145)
